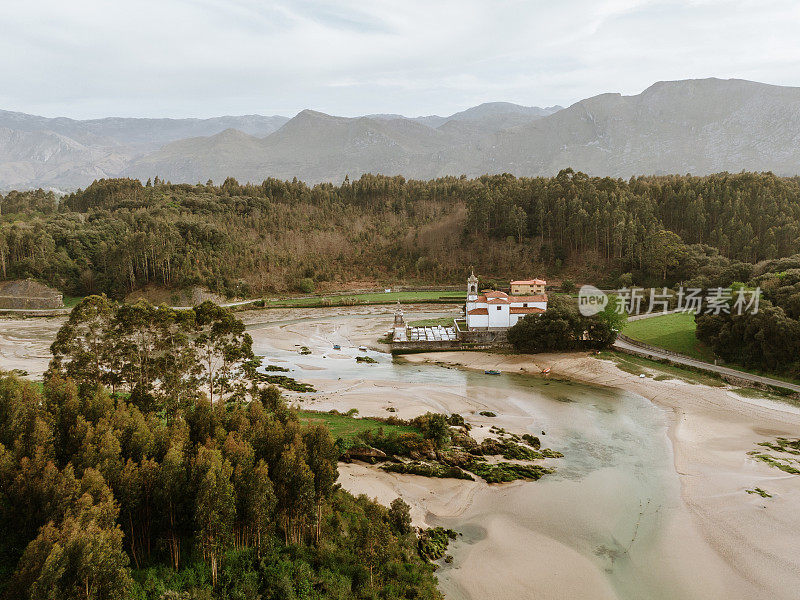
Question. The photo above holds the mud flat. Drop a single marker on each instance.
(717, 541)
(648, 502)
(25, 343)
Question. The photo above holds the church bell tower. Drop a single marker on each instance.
(472, 287)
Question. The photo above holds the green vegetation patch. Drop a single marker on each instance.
(675, 332)
(773, 461)
(638, 365)
(348, 427)
(288, 383)
(787, 396)
(366, 359)
(487, 413)
(504, 472)
(760, 492)
(433, 542)
(448, 297)
(440, 446)
(426, 469)
(783, 445)
(787, 464)
(72, 301)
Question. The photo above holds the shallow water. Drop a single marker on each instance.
(611, 492)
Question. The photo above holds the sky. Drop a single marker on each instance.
(202, 58)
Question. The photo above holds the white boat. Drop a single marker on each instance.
(362, 348)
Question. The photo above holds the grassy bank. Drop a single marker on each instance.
(320, 301)
(675, 332)
(445, 297)
(346, 426)
(639, 366)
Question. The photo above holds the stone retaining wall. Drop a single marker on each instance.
(28, 294)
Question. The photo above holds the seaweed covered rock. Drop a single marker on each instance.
(365, 453)
(504, 472)
(425, 469)
(433, 542)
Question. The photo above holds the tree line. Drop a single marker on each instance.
(160, 357)
(119, 235)
(768, 340)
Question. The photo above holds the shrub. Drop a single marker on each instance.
(433, 542)
(400, 516)
(306, 285)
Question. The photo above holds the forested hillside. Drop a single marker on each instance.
(119, 235)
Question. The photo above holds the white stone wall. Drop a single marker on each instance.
(477, 321)
(499, 315)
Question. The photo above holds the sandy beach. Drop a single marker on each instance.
(665, 515)
(743, 542)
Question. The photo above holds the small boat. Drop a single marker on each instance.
(362, 348)
(337, 347)
(546, 371)
(491, 372)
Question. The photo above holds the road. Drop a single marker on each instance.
(646, 349)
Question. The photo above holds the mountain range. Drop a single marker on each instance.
(690, 126)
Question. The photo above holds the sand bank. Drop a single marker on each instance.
(671, 522)
(739, 545)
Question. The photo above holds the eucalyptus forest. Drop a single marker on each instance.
(255, 239)
(113, 486)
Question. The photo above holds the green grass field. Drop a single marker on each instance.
(367, 298)
(675, 332)
(450, 296)
(443, 321)
(72, 301)
(370, 298)
(342, 426)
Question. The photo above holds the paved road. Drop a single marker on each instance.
(691, 362)
(37, 312)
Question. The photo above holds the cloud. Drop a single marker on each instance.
(90, 58)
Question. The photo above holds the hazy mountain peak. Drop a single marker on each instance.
(493, 109)
(308, 113)
(232, 134)
(698, 126)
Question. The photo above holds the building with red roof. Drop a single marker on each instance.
(496, 310)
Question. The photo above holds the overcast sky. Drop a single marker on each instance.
(200, 58)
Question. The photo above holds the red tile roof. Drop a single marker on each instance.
(498, 301)
(479, 311)
(495, 294)
(539, 298)
(520, 310)
(529, 282)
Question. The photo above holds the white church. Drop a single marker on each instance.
(497, 310)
